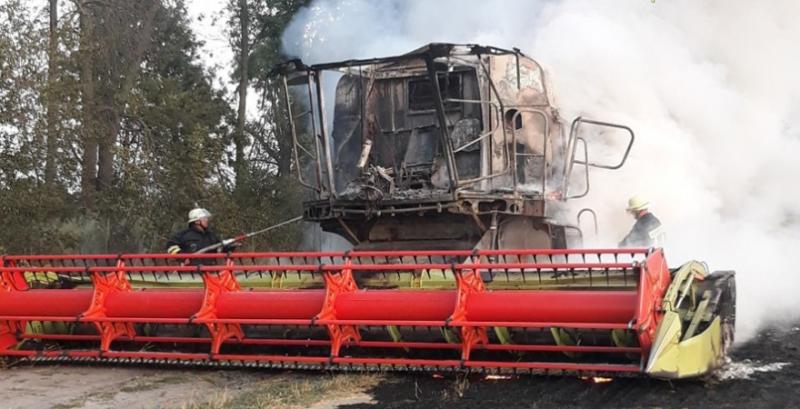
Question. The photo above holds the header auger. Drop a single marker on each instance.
(447, 170)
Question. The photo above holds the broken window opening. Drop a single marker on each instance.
(511, 115)
(420, 93)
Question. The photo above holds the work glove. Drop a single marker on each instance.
(174, 249)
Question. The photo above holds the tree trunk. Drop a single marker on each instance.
(52, 138)
(107, 131)
(283, 154)
(89, 160)
(114, 104)
(239, 139)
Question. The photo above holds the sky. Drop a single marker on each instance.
(208, 22)
(207, 19)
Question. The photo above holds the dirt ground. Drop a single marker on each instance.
(92, 387)
(764, 373)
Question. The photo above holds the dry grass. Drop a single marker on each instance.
(289, 391)
(455, 389)
(151, 383)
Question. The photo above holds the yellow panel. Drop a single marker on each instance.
(672, 359)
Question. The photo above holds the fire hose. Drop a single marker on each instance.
(242, 237)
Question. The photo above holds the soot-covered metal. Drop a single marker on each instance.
(446, 147)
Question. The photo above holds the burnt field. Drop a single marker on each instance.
(755, 379)
(764, 373)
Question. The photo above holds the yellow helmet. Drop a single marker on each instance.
(637, 203)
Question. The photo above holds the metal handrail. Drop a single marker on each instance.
(576, 125)
(594, 218)
(546, 134)
(496, 112)
(295, 143)
(585, 167)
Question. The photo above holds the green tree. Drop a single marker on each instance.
(171, 139)
(270, 194)
(115, 35)
(110, 129)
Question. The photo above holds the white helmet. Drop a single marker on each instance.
(197, 214)
(637, 203)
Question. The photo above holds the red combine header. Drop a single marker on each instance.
(327, 310)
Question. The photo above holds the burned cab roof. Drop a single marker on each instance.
(433, 51)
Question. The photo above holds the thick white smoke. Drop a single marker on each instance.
(711, 88)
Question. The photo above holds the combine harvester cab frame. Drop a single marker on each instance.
(604, 312)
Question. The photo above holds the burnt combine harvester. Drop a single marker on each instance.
(443, 167)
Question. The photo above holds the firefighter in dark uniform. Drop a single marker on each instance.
(196, 236)
(647, 231)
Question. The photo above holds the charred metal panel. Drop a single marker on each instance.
(395, 114)
(527, 129)
(402, 124)
(347, 130)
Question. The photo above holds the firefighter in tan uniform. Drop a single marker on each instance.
(647, 231)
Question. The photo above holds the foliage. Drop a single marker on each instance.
(141, 134)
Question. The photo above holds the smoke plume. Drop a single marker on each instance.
(711, 88)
